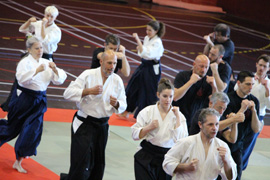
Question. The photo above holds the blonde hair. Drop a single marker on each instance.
(52, 10)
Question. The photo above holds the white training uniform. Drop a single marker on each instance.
(97, 106)
(152, 50)
(26, 77)
(190, 148)
(52, 38)
(165, 135)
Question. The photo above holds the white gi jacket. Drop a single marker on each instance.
(52, 38)
(152, 49)
(165, 135)
(97, 105)
(27, 68)
(190, 148)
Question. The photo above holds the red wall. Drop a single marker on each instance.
(254, 10)
(204, 2)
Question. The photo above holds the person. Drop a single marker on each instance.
(228, 126)
(112, 42)
(142, 87)
(98, 93)
(45, 30)
(203, 155)
(219, 69)
(261, 91)
(193, 88)
(221, 35)
(243, 101)
(160, 126)
(26, 109)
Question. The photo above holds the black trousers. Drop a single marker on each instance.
(88, 145)
(148, 162)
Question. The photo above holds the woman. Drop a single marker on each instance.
(142, 87)
(160, 125)
(47, 32)
(29, 103)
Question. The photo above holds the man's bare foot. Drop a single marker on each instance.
(17, 165)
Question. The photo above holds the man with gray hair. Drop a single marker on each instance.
(201, 156)
(228, 125)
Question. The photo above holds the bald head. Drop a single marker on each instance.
(201, 65)
(108, 62)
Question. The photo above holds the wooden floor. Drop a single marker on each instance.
(84, 26)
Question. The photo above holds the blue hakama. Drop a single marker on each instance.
(25, 118)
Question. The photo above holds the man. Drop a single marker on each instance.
(219, 69)
(261, 91)
(242, 101)
(221, 35)
(201, 156)
(228, 126)
(98, 93)
(45, 30)
(192, 88)
(112, 42)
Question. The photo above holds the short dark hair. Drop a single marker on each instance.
(264, 57)
(224, 29)
(207, 112)
(221, 49)
(243, 74)
(113, 39)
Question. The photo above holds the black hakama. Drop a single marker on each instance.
(142, 87)
(25, 118)
(148, 162)
(88, 149)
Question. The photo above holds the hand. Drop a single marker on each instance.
(239, 117)
(214, 67)
(122, 49)
(193, 165)
(41, 68)
(223, 154)
(175, 110)
(252, 105)
(194, 78)
(96, 90)
(52, 65)
(114, 102)
(264, 82)
(44, 21)
(119, 55)
(244, 105)
(153, 125)
(32, 19)
(209, 39)
(211, 80)
(135, 35)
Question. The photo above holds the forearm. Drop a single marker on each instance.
(255, 123)
(225, 123)
(24, 26)
(206, 49)
(43, 34)
(140, 46)
(181, 168)
(180, 92)
(144, 131)
(228, 170)
(125, 67)
(220, 84)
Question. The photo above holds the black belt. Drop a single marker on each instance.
(93, 120)
(47, 56)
